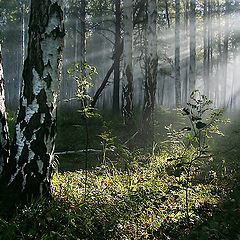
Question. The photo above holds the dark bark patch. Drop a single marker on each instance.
(55, 8)
(42, 101)
(33, 124)
(38, 146)
(24, 155)
(48, 79)
(31, 167)
(21, 112)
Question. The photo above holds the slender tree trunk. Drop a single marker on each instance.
(234, 78)
(128, 65)
(116, 56)
(76, 40)
(225, 52)
(4, 136)
(205, 48)
(177, 54)
(192, 67)
(210, 51)
(28, 173)
(219, 57)
(151, 71)
(83, 42)
(116, 82)
(186, 47)
(167, 13)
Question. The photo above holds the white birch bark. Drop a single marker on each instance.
(4, 136)
(29, 170)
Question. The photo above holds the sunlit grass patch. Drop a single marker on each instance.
(144, 201)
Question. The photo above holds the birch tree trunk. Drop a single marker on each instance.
(128, 65)
(28, 173)
(192, 65)
(151, 71)
(4, 137)
(177, 54)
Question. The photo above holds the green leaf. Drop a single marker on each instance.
(200, 125)
(177, 172)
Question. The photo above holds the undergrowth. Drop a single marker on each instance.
(141, 203)
(139, 193)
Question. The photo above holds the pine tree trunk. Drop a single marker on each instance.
(4, 136)
(177, 54)
(128, 65)
(151, 71)
(28, 173)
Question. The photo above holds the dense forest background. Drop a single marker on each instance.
(206, 35)
(141, 146)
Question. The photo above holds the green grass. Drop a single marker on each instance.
(137, 193)
(141, 203)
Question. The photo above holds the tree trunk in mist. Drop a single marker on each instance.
(209, 47)
(186, 47)
(219, 57)
(28, 173)
(234, 77)
(177, 54)
(116, 56)
(127, 104)
(151, 71)
(205, 48)
(192, 64)
(4, 137)
(116, 81)
(76, 40)
(83, 42)
(225, 53)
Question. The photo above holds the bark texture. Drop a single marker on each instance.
(151, 71)
(4, 137)
(205, 47)
(192, 67)
(186, 50)
(177, 54)
(128, 66)
(28, 173)
(83, 44)
(116, 81)
(225, 52)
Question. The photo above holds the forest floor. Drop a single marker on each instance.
(134, 193)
